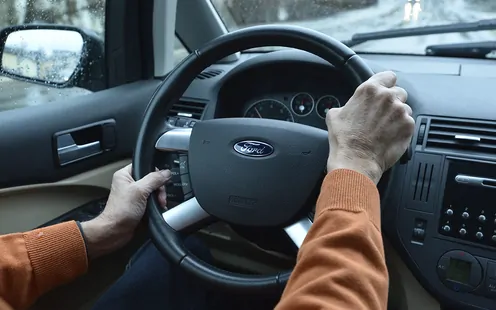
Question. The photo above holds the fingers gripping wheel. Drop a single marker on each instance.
(253, 172)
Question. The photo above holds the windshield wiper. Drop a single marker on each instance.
(464, 50)
(481, 25)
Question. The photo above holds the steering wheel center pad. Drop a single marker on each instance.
(255, 172)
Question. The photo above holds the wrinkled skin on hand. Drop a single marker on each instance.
(373, 130)
(126, 205)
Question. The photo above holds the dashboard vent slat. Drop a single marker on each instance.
(462, 137)
(188, 109)
(422, 181)
(208, 73)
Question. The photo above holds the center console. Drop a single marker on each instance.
(443, 216)
(446, 214)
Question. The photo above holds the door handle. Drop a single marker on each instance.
(69, 151)
(76, 144)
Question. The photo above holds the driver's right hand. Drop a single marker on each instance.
(373, 130)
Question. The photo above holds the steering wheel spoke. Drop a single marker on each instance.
(186, 215)
(174, 140)
(298, 231)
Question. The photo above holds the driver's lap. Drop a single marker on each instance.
(151, 282)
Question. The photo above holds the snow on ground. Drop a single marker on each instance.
(390, 14)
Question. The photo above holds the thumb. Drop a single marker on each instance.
(153, 181)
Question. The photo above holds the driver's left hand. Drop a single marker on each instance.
(115, 226)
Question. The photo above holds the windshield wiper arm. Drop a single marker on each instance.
(359, 38)
(464, 50)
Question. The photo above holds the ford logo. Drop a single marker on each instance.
(253, 148)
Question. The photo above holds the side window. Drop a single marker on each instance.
(179, 51)
(87, 14)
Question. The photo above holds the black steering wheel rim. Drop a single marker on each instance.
(166, 239)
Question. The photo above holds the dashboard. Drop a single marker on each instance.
(438, 212)
(299, 93)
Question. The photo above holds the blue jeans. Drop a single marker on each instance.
(150, 282)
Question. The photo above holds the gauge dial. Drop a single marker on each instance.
(269, 108)
(302, 104)
(326, 103)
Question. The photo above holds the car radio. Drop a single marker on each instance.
(468, 209)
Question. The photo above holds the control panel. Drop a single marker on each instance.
(179, 187)
(182, 122)
(463, 272)
(459, 271)
(468, 211)
(447, 224)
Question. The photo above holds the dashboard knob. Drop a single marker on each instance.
(482, 218)
(479, 235)
(465, 215)
(449, 212)
(493, 238)
(462, 231)
(446, 228)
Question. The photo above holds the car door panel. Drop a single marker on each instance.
(29, 154)
(25, 207)
(34, 187)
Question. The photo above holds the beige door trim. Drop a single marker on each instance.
(25, 207)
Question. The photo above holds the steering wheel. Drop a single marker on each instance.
(243, 171)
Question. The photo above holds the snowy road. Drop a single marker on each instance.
(387, 14)
(390, 14)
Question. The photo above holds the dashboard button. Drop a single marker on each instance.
(182, 163)
(462, 231)
(442, 266)
(172, 121)
(175, 174)
(491, 288)
(418, 234)
(446, 228)
(482, 218)
(185, 183)
(449, 212)
(479, 235)
(465, 215)
(173, 194)
(182, 122)
(459, 271)
(491, 270)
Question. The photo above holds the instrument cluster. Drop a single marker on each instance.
(292, 108)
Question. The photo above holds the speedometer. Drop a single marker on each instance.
(269, 108)
(326, 103)
(302, 104)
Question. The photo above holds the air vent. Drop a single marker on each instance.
(461, 136)
(209, 73)
(189, 109)
(423, 181)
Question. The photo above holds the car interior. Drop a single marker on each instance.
(438, 218)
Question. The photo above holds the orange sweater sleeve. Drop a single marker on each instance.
(34, 262)
(341, 263)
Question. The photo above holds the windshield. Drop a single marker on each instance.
(343, 18)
